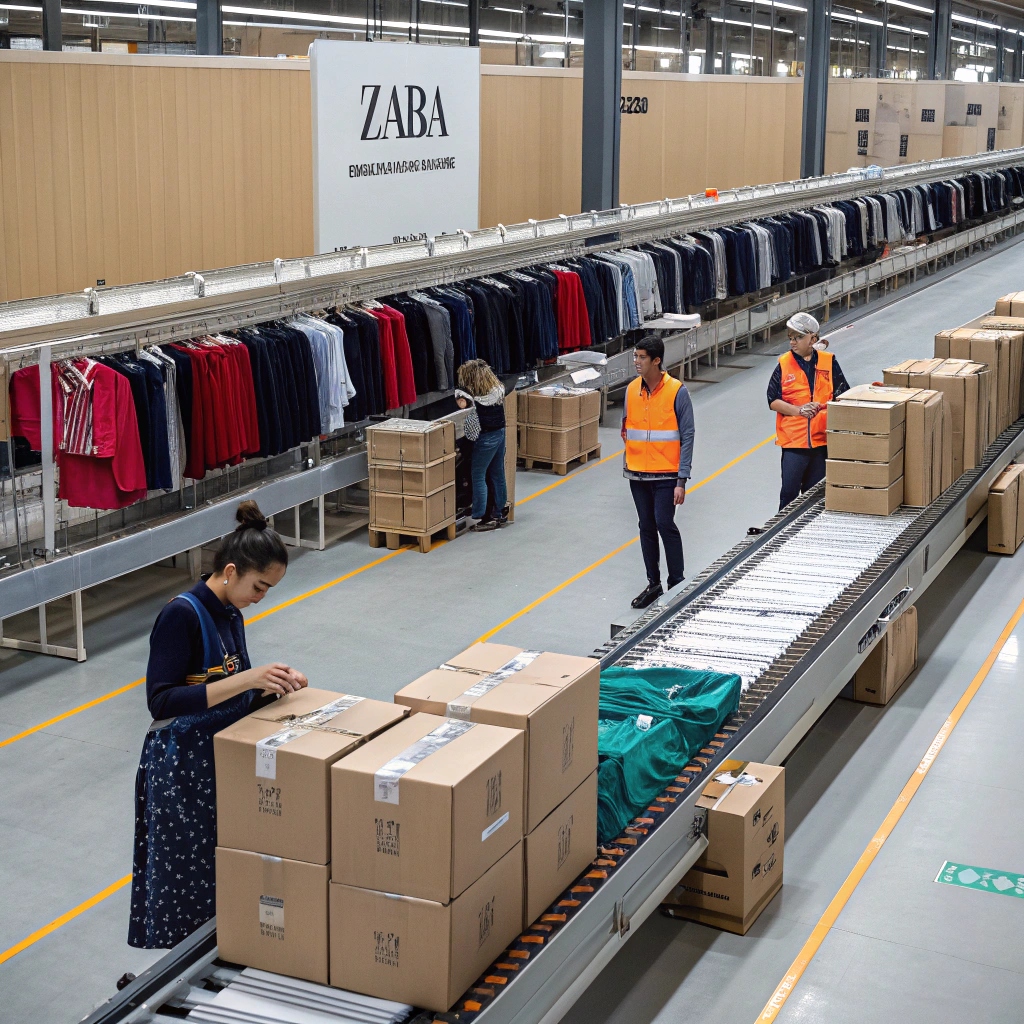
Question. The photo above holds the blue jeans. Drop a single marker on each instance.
(802, 468)
(489, 468)
(656, 512)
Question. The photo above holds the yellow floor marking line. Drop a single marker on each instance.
(611, 554)
(59, 922)
(569, 476)
(839, 901)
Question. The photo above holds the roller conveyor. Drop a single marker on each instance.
(794, 610)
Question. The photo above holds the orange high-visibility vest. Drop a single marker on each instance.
(652, 430)
(797, 431)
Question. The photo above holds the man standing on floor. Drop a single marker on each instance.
(805, 381)
(657, 426)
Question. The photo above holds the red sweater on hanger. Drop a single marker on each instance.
(403, 357)
(389, 370)
(571, 312)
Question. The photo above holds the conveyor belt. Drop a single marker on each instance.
(794, 622)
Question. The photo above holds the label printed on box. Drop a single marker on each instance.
(329, 711)
(268, 800)
(459, 707)
(387, 777)
(564, 841)
(493, 827)
(494, 794)
(485, 919)
(385, 948)
(266, 751)
(389, 841)
(568, 736)
(272, 917)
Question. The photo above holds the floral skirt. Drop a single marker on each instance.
(173, 879)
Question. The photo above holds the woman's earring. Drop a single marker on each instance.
(225, 583)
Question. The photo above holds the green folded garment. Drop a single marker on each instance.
(651, 722)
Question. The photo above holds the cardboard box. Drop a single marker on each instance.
(966, 386)
(741, 870)
(413, 512)
(589, 437)
(273, 778)
(1011, 305)
(426, 819)
(1006, 512)
(927, 449)
(417, 441)
(409, 479)
(864, 474)
(843, 444)
(421, 952)
(550, 444)
(556, 405)
(868, 409)
(559, 850)
(1002, 351)
(912, 373)
(871, 501)
(551, 697)
(272, 914)
(890, 662)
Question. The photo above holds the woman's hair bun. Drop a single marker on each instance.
(250, 517)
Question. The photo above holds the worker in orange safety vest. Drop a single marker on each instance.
(805, 381)
(657, 427)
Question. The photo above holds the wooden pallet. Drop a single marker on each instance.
(561, 468)
(393, 538)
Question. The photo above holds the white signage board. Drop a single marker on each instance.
(396, 141)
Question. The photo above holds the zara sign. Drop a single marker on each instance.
(396, 141)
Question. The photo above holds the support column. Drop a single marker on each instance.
(602, 90)
(52, 38)
(874, 49)
(942, 25)
(209, 28)
(816, 56)
(999, 55)
(474, 22)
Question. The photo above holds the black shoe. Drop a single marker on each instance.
(651, 594)
(676, 583)
(483, 525)
(502, 522)
(125, 980)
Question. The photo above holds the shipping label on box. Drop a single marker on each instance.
(553, 698)
(273, 776)
(427, 807)
(272, 914)
(890, 662)
(741, 869)
(422, 952)
(559, 849)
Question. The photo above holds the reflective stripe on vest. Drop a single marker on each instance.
(798, 431)
(652, 429)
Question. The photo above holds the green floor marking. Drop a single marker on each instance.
(968, 876)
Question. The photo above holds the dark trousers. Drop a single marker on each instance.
(656, 512)
(802, 468)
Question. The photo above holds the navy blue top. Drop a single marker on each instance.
(176, 651)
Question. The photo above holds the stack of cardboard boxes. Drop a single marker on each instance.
(890, 662)
(412, 478)
(558, 424)
(887, 446)
(274, 826)
(396, 849)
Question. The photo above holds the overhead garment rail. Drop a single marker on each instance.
(785, 695)
(136, 316)
(200, 302)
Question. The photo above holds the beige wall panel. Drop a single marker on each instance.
(129, 169)
(726, 110)
(794, 128)
(1011, 116)
(924, 147)
(764, 158)
(643, 161)
(686, 160)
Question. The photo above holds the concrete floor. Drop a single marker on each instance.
(66, 815)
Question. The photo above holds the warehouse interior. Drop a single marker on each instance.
(781, 788)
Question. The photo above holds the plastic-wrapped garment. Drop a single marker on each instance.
(652, 721)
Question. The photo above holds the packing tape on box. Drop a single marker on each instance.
(459, 707)
(266, 751)
(315, 719)
(386, 778)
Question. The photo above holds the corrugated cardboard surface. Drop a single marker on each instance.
(412, 512)
(553, 700)
(864, 474)
(1000, 350)
(844, 444)
(928, 448)
(867, 410)
(413, 441)
(966, 385)
(288, 815)
(559, 849)
(871, 501)
(1011, 305)
(459, 811)
(410, 479)
(890, 662)
(742, 867)
(272, 914)
(913, 373)
(550, 444)
(1006, 512)
(421, 952)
